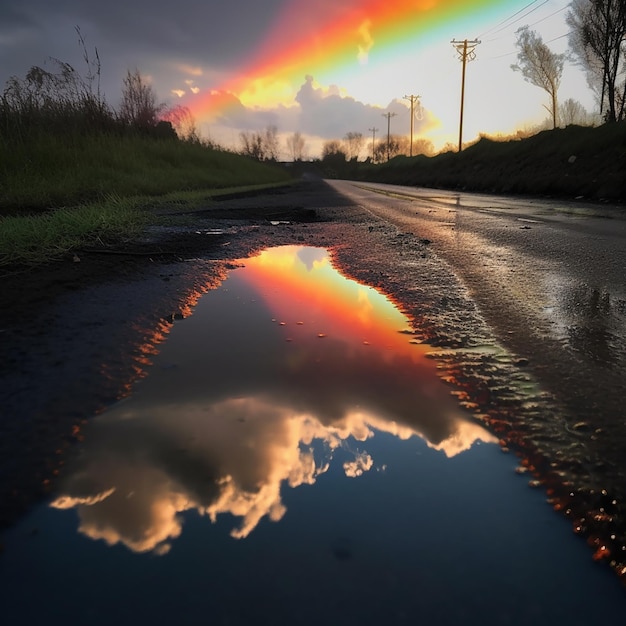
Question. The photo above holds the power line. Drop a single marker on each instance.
(508, 54)
(508, 18)
(559, 37)
(521, 17)
(543, 19)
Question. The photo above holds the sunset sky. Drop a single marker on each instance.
(322, 68)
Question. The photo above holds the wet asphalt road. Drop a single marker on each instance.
(549, 278)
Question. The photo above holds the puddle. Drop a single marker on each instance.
(293, 455)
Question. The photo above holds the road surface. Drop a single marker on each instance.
(549, 279)
(522, 302)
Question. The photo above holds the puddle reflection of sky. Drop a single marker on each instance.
(286, 368)
(291, 412)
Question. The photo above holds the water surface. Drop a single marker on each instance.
(293, 458)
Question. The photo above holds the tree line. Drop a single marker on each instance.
(597, 41)
(265, 146)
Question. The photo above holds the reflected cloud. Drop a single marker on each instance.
(362, 463)
(232, 413)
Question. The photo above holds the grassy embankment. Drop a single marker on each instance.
(567, 163)
(63, 190)
(59, 191)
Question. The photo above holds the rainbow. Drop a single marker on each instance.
(312, 300)
(311, 38)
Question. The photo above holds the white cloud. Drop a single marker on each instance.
(320, 113)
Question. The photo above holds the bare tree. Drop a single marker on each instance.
(573, 112)
(334, 158)
(423, 146)
(139, 106)
(353, 143)
(252, 145)
(540, 66)
(270, 143)
(332, 148)
(262, 146)
(296, 145)
(184, 124)
(401, 145)
(598, 40)
(391, 147)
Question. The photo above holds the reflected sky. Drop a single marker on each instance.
(256, 392)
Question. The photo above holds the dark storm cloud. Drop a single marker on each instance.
(138, 33)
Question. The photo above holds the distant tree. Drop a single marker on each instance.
(540, 66)
(333, 148)
(423, 146)
(262, 146)
(401, 144)
(334, 159)
(380, 151)
(270, 143)
(386, 150)
(296, 145)
(598, 40)
(139, 107)
(353, 143)
(573, 112)
(252, 145)
(184, 124)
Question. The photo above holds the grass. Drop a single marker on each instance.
(58, 194)
(51, 172)
(567, 162)
(36, 239)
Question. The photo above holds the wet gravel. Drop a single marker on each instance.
(75, 335)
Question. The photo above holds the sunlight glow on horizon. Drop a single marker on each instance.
(358, 60)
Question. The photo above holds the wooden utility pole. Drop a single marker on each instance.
(388, 116)
(374, 131)
(412, 100)
(466, 52)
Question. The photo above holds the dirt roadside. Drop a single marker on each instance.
(76, 334)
